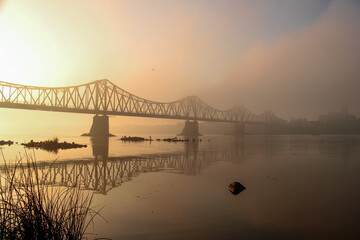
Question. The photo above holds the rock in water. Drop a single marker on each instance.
(236, 188)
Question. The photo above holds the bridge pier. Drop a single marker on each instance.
(239, 129)
(100, 126)
(191, 129)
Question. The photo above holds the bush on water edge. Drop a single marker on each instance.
(32, 209)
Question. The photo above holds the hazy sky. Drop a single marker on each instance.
(294, 57)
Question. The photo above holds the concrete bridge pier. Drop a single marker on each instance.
(239, 129)
(100, 126)
(191, 129)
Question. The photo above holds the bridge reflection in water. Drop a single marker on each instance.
(103, 173)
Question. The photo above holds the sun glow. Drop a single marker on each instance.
(22, 58)
(20, 63)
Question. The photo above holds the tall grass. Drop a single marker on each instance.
(31, 209)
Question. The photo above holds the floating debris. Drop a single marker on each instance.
(236, 188)
(175, 139)
(134, 139)
(52, 145)
(141, 139)
(91, 135)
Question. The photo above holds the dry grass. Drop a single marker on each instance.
(30, 209)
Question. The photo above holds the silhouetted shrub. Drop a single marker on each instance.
(30, 209)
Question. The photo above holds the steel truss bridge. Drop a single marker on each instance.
(104, 97)
(103, 174)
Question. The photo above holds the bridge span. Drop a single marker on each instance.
(102, 97)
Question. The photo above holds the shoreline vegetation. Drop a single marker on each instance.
(30, 208)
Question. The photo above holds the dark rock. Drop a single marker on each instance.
(236, 188)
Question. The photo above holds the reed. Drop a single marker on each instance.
(32, 209)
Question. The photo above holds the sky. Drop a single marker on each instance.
(297, 58)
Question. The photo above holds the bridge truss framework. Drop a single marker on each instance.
(104, 97)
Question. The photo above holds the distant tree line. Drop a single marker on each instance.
(341, 122)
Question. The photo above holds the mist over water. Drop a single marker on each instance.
(297, 187)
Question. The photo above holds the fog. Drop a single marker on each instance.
(301, 70)
(307, 72)
(295, 58)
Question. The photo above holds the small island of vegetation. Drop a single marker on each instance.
(52, 145)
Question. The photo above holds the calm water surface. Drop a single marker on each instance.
(297, 187)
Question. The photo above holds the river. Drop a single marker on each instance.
(297, 187)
